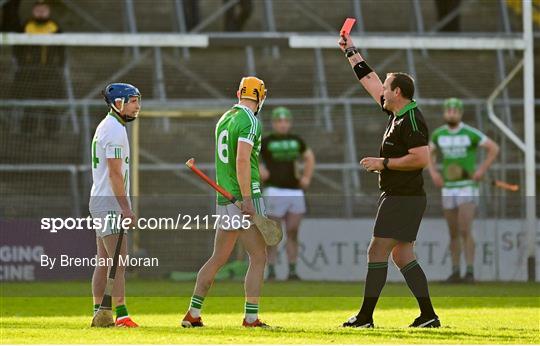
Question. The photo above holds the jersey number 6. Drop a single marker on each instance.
(223, 149)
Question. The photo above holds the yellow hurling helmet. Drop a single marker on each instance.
(252, 88)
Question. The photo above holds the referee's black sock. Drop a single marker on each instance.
(417, 282)
(375, 280)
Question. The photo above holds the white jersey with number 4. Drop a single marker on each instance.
(110, 142)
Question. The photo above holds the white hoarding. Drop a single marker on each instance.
(335, 249)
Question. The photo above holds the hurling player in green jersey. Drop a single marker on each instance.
(457, 144)
(238, 144)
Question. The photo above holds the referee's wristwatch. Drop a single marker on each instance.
(385, 163)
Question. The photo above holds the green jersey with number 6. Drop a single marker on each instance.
(238, 124)
(458, 148)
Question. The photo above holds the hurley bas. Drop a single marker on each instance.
(126, 261)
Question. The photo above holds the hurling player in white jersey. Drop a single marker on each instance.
(109, 198)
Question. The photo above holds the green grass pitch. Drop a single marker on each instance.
(301, 312)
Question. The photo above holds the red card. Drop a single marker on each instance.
(347, 26)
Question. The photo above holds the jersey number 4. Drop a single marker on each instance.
(222, 148)
(95, 159)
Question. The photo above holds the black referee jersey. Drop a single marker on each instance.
(403, 201)
(405, 130)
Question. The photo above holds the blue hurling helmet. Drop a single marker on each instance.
(120, 91)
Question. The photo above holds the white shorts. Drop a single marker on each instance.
(232, 219)
(282, 201)
(109, 221)
(453, 197)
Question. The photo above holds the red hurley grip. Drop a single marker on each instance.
(347, 26)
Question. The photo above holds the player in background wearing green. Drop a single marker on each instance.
(109, 197)
(457, 144)
(238, 144)
(284, 188)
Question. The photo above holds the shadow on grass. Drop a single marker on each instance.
(79, 306)
(165, 288)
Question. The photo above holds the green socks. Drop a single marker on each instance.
(271, 271)
(470, 270)
(252, 312)
(196, 306)
(292, 269)
(121, 312)
(455, 269)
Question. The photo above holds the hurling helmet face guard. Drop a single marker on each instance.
(121, 92)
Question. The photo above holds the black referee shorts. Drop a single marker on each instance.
(399, 217)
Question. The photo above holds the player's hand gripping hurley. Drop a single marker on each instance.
(270, 229)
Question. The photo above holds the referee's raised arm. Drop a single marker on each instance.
(367, 77)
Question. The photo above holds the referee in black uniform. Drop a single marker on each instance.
(404, 152)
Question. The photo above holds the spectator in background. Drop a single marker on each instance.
(40, 71)
(444, 8)
(237, 16)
